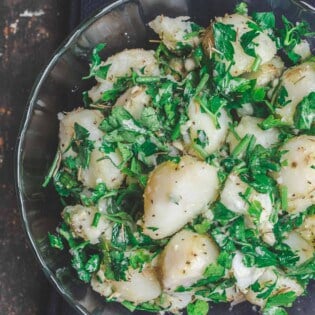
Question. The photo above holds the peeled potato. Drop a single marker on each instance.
(103, 169)
(265, 49)
(134, 100)
(307, 229)
(267, 72)
(231, 199)
(176, 193)
(87, 118)
(298, 82)
(140, 287)
(299, 245)
(245, 276)
(297, 173)
(200, 121)
(185, 259)
(121, 64)
(80, 219)
(249, 125)
(283, 284)
(173, 31)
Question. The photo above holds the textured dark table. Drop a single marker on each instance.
(30, 30)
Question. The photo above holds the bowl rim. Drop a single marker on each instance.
(24, 124)
(25, 121)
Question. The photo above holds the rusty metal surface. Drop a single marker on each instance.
(30, 30)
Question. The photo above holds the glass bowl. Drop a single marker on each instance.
(122, 24)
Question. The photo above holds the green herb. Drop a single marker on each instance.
(55, 241)
(95, 70)
(224, 35)
(199, 307)
(241, 8)
(53, 169)
(274, 310)
(265, 20)
(96, 219)
(281, 299)
(93, 264)
(304, 116)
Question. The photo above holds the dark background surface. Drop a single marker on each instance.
(30, 30)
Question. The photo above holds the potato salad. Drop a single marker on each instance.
(187, 176)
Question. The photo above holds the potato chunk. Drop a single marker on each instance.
(202, 122)
(88, 119)
(140, 287)
(297, 173)
(298, 82)
(249, 125)
(121, 64)
(80, 219)
(134, 100)
(176, 193)
(265, 47)
(185, 259)
(173, 30)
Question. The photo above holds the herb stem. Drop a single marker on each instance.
(96, 219)
(53, 169)
(242, 145)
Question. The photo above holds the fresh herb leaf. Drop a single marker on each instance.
(304, 116)
(55, 241)
(199, 307)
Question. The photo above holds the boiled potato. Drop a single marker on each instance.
(231, 199)
(200, 121)
(134, 100)
(176, 193)
(80, 220)
(267, 72)
(140, 287)
(88, 119)
(303, 49)
(297, 173)
(299, 245)
(249, 125)
(185, 259)
(245, 276)
(173, 30)
(269, 277)
(307, 229)
(265, 49)
(299, 83)
(103, 168)
(139, 60)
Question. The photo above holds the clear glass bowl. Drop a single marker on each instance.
(123, 24)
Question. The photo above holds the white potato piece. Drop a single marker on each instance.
(176, 193)
(298, 175)
(140, 287)
(249, 125)
(245, 276)
(103, 169)
(185, 259)
(307, 229)
(173, 30)
(267, 72)
(299, 82)
(80, 220)
(122, 64)
(299, 245)
(265, 49)
(176, 301)
(231, 199)
(134, 100)
(270, 276)
(303, 49)
(200, 121)
(87, 118)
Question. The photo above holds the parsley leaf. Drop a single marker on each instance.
(223, 36)
(304, 116)
(199, 307)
